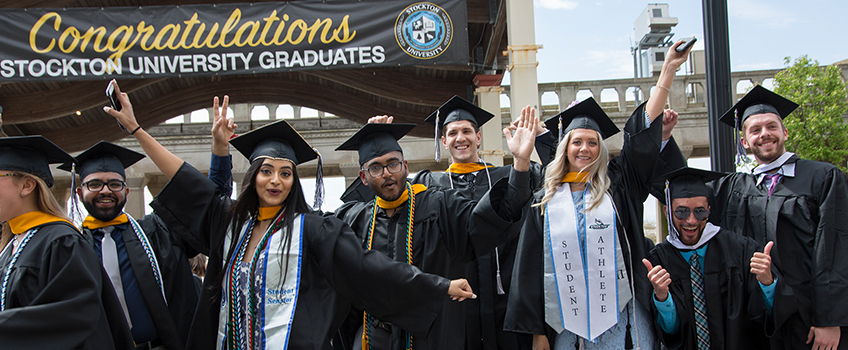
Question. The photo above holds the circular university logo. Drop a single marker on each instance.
(423, 30)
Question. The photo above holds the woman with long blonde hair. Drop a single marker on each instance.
(578, 281)
(53, 292)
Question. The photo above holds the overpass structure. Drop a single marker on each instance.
(191, 141)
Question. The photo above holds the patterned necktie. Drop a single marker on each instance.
(773, 178)
(471, 178)
(701, 327)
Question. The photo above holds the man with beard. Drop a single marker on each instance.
(437, 231)
(798, 204)
(717, 301)
(148, 266)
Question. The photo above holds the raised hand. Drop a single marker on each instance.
(521, 141)
(659, 278)
(669, 122)
(761, 265)
(223, 128)
(381, 119)
(460, 290)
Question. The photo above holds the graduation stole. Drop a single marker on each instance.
(17, 253)
(575, 177)
(273, 309)
(410, 201)
(583, 293)
(92, 224)
(465, 168)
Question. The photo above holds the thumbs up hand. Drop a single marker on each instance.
(761, 265)
(659, 278)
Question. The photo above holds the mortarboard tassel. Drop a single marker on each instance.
(559, 131)
(741, 154)
(74, 211)
(438, 149)
(319, 183)
(671, 230)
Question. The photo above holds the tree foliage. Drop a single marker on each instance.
(817, 130)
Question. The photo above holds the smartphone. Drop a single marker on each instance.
(687, 43)
(113, 99)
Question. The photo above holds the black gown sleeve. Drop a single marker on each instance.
(497, 216)
(56, 297)
(830, 262)
(525, 311)
(390, 290)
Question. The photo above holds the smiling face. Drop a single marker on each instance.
(462, 141)
(274, 181)
(690, 229)
(103, 205)
(765, 136)
(387, 186)
(583, 149)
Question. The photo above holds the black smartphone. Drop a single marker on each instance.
(113, 99)
(687, 43)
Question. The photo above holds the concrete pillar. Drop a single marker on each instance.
(596, 93)
(350, 171)
(241, 112)
(187, 118)
(210, 112)
(272, 110)
(686, 151)
(488, 97)
(522, 48)
(677, 95)
(566, 95)
(296, 111)
(135, 199)
(622, 99)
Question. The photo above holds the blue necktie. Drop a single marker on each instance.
(701, 326)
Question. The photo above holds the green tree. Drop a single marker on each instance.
(816, 129)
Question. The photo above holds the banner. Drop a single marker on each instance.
(203, 40)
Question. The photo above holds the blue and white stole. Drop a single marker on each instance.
(275, 312)
(584, 294)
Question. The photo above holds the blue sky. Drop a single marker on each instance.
(590, 40)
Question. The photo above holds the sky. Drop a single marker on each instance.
(591, 40)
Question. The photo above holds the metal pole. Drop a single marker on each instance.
(720, 92)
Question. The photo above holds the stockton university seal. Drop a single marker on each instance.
(424, 30)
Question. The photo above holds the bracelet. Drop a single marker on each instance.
(663, 87)
(136, 129)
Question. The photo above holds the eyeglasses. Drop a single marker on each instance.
(377, 170)
(682, 213)
(97, 185)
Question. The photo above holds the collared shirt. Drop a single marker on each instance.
(667, 311)
(143, 329)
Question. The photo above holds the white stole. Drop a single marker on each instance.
(583, 299)
(278, 302)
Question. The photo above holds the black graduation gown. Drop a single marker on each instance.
(736, 312)
(449, 231)
(336, 272)
(59, 296)
(485, 315)
(803, 217)
(172, 320)
(630, 176)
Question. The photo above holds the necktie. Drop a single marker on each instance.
(701, 326)
(773, 179)
(471, 178)
(109, 252)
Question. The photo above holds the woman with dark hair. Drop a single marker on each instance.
(578, 280)
(279, 276)
(53, 292)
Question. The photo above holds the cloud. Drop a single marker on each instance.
(766, 15)
(609, 64)
(556, 4)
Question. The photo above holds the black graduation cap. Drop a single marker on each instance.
(376, 139)
(32, 155)
(688, 182)
(458, 108)
(275, 140)
(757, 101)
(584, 115)
(104, 157)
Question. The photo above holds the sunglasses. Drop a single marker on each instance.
(682, 213)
